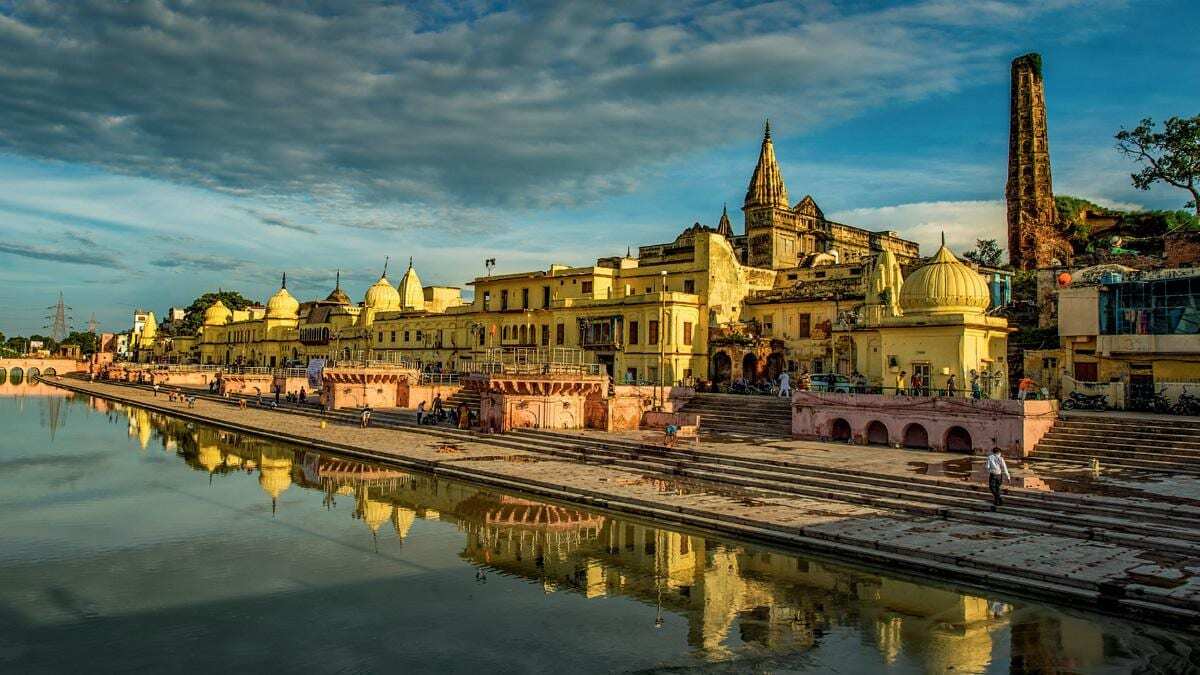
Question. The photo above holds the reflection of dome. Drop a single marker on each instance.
(217, 314)
(209, 457)
(410, 292)
(402, 520)
(274, 474)
(382, 295)
(944, 286)
(282, 305)
(375, 513)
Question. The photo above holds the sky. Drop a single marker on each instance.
(151, 151)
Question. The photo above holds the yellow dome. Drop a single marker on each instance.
(402, 520)
(944, 286)
(412, 296)
(274, 474)
(382, 295)
(209, 457)
(217, 314)
(375, 513)
(282, 305)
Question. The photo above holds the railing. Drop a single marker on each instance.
(439, 378)
(292, 372)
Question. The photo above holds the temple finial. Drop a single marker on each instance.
(410, 262)
(337, 279)
(767, 130)
(943, 239)
(385, 263)
(283, 284)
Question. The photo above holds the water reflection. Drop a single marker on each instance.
(735, 599)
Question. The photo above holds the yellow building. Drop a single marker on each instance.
(708, 305)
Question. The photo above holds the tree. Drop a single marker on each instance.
(987, 253)
(88, 342)
(194, 314)
(1171, 156)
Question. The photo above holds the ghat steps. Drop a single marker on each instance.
(1141, 443)
(742, 415)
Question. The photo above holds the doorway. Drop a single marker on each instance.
(722, 368)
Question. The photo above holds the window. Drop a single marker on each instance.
(805, 325)
(769, 324)
(482, 337)
(380, 337)
(545, 335)
(545, 296)
(504, 333)
(393, 336)
(652, 333)
(487, 300)
(630, 375)
(524, 298)
(689, 285)
(560, 334)
(792, 277)
(420, 336)
(633, 332)
(687, 332)
(503, 300)
(819, 275)
(587, 288)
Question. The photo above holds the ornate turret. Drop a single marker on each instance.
(766, 184)
(337, 294)
(944, 286)
(883, 289)
(282, 305)
(412, 296)
(724, 227)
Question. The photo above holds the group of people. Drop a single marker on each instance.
(438, 413)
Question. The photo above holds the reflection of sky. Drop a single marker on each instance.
(112, 551)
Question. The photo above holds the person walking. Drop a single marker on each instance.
(901, 382)
(303, 395)
(918, 385)
(437, 406)
(276, 388)
(951, 386)
(785, 384)
(420, 412)
(997, 474)
(976, 392)
(155, 390)
(366, 416)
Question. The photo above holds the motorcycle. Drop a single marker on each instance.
(1080, 401)
(1160, 403)
(1187, 404)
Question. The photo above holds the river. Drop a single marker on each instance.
(135, 541)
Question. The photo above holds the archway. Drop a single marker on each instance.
(877, 433)
(3, 375)
(16, 375)
(916, 437)
(50, 371)
(524, 334)
(839, 430)
(775, 365)
(958, 439)
(34, 373)
(722, 368)
(750, 367)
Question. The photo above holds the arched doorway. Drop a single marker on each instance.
(775, 365)
(916, 437)
(16, 375)
(722, 368)
(50, 371)
(958, 439)
(839, 430)
(3, 375)
(34, 373)
(750, 367)
(877, 433)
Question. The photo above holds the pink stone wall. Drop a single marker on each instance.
(1013, 426)
(504, 412)
(660, 420)
(246, 384)
(191, 379)
(354, 395)
(411, 395)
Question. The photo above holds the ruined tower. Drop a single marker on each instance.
(1034, 238)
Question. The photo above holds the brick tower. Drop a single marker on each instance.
(1034, 238)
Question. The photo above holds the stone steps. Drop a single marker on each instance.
(751, 416)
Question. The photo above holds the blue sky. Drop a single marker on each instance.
(151, 151)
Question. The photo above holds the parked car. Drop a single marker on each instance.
(830, 382)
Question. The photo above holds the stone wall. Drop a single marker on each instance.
(1182, 249)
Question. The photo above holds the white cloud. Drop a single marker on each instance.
(924, 222)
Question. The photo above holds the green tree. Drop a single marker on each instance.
(88, 342)
(194, 314)
(1171, 156)
(987, 253)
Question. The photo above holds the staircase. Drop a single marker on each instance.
(742, 415)
(1125, 441)
(464, 395)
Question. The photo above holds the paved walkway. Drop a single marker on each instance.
(1122, 577)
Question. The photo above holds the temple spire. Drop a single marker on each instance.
(385, 264)
(283, 284)
(766, 184)
(337, 279)
(724, 227)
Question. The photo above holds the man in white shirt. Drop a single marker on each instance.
(997, 474)
(785, 385)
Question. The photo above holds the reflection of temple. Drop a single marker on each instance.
(731, 597)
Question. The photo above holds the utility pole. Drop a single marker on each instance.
(58, 329)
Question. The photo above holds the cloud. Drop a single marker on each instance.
(276, 220)
(76, 257)
(195, 261)
(390, 106)
(962, 222)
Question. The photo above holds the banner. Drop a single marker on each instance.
(316, 367)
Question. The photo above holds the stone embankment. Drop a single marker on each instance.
(1125, 555)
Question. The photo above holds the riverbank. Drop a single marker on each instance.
(1124, 578)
